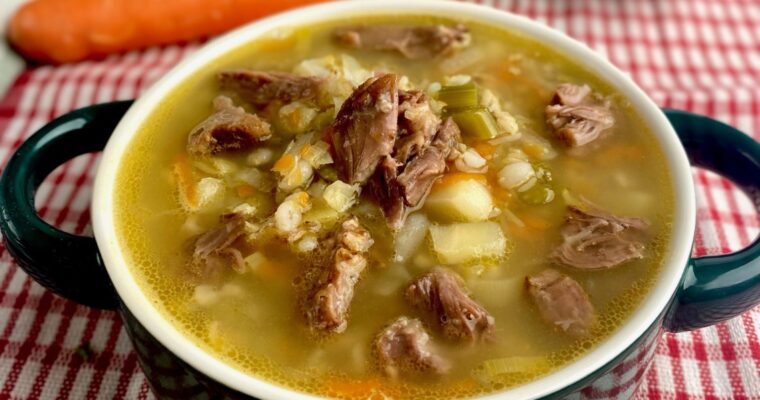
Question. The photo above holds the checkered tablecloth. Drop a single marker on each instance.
(698, 55)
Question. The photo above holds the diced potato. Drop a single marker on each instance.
(211, 193)
(409, 238)
(340, 196)
(467, 242)
(465, 200)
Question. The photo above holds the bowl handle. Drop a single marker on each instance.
(716, 288)
(67, 264)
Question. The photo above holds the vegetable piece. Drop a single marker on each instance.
(260, 156)
(538, 194)
(466, 200)
(476, 123)
(467, 242)
(340, 196)
(515, 365)
(211, 193)
(96, 28)
(411, 235)
(188, 195)
(296, 117)
(255, 261)
(515, 174)
(322, 213)
(459, 97)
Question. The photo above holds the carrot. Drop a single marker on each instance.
(485, 149)
(344, 387)
(185, 182)
(244, 191)
(285, 163)
(454, 177)
(73, 30)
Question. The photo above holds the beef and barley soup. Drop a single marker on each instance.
(407, 208)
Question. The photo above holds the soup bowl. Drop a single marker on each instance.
(689, 293)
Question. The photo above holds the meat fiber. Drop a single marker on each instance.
(405, 347)
(413, 42)
(260, 88)
(576, 116)
(332, 275)
(229, 128)
(364, 131)
(561, 302)
(442, 294)
(594, 239)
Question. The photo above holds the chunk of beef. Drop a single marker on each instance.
(562, 302)
(405, 347)
(576, 116)
(261, 88)
(442, 293)
(331, 277)
(420, 173)
(384, 188)
(365, 128)
(413, 42)
(417, 124)
(594, 239)
(229, 128)
(399, 185)
(215, 247)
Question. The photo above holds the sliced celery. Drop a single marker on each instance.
(459, 97)
(477, 123)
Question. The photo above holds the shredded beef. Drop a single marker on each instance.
(400, 185)
(594, 239)
(576, 116)
(561, 302)
(405, 347)
(214, 247)
(364, 130)
(413, 42)
(417, 124)
(261, 88)
(230, 128)
(442, 293)
(332, 275)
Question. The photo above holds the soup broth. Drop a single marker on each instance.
(250, 317)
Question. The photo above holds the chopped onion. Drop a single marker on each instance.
(317, 154)
(340, 196)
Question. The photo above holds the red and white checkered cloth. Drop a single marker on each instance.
(697, 55)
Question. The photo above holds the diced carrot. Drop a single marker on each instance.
(345, 387)
(454, 177)
(285, 163)
(244, 191)
(303, 198)
(485, 149)
(185, 181)
(535, 222)
(304, 150)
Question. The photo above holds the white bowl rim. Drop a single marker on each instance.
(147, 314)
